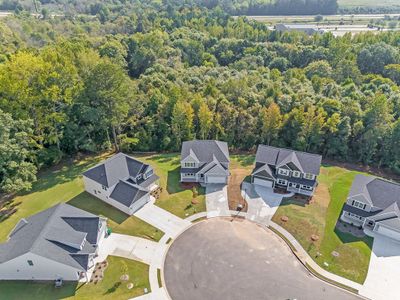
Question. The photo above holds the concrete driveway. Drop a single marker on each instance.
(383, 277)
(162, 219)
(217, 200)
(220, 259)
(262, 202)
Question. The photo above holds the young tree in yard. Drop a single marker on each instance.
(182, 123)
(271, 123)
(205, 120)
(17, 172)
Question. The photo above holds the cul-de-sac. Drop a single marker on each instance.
(199, 149)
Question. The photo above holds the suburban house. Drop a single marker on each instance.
(122, 182)
(205, 161)
(293, 171)
(57, 243)
(373, 203)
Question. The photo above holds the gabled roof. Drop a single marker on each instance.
(278, 157)
(118, 167)
(126, 193)
(206, 150)
(59, 233)
(374, 191)
(264, 170)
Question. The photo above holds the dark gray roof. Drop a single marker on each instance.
(126, 193)
(118, 167)
(357, 211)
(55, 233)
(374, 191)
(205, 150)
(305, 162)
(263, 170)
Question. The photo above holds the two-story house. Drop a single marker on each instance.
(294, 171)
(373, 203)
(122, 182)
(204, 161)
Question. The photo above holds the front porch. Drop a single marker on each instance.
(300, 191)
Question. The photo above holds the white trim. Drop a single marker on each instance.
(283, 172)
(296, 174)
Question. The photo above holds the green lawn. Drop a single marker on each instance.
(64, 184)
(174, 198)
(320, 217)
(367, 3)
(111, 287)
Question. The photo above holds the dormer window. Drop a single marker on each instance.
(104, 187)
(309, 176)
(296, 174)
(359, 204)
(148, 173)
(139, 177)
(283, 172)
(190, 164)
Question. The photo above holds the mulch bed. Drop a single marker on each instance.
(98, 273)
(188, 185)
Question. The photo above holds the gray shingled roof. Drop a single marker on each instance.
(116, 168)
(127, 194)
(205, 150)
(382, 195)
(305, 162)
(55, 233)
(375, 191)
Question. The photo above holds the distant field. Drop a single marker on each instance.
(367, 3)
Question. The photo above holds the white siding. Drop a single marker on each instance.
(91, 186)
(42, 269)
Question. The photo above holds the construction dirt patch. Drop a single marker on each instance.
(234, 193)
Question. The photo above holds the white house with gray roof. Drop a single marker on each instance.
(292, 170)
(373, 203)
(59, 242)
(121, 181)
(205, 161)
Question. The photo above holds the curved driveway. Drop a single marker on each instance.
(219, 259)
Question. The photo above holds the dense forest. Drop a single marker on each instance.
(147, 77)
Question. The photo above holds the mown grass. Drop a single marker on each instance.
(319, 218)
(174, 198)
(111, 287)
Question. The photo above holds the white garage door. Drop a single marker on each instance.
(389, 233)
(262, 182)
(216, 179)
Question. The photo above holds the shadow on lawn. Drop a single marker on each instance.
(95, 206)
(173, 181)
(15, 290)
(165, 158)
(346, 238)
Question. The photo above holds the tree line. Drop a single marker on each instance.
(148, 78)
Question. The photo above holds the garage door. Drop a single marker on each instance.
(389, 233)
(216, 179)
(262, 182)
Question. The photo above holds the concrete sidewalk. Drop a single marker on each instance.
(217, 200)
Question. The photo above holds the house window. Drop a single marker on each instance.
(295, 185)
(30, 263)
(306, 187)
(283, 172)
(354, 216)
(296, 174)
(95, 192)
(359, 205)
(189, 174)
(104, 187)
(309, 176)
(149, 173)
(139, 177)
(282, 182)
(190, 165)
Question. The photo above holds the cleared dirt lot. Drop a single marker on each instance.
(220, 259)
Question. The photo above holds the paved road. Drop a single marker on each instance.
(219, 259)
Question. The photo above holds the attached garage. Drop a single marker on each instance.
(263, 182)
(216, 179)
(388, 232)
